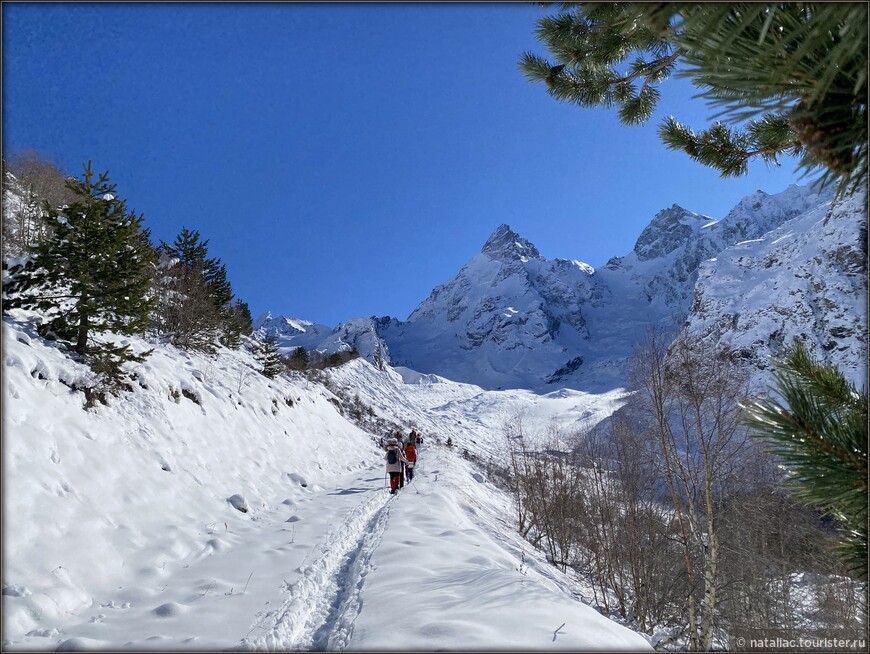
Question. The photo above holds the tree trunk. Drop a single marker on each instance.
(708, 606)
(82, 340)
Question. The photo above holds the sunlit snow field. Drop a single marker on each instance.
(120, 530)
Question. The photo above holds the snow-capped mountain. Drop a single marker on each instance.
(807, 278)
(359, 334)
(512, 318)
(508, 317)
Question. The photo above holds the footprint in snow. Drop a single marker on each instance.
(169, 610)
(296, 478)
(79, 644)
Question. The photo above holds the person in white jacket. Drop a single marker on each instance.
(395, 458)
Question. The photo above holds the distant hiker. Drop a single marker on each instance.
(395, 458)
(400, 440)
(411, 456)
(412, 437)
(419, 440)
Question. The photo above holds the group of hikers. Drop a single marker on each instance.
(401, 458)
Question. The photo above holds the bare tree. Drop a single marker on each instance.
(691, 392)
(37, 181)
(520, 477)
(675, 518)
(633, 525)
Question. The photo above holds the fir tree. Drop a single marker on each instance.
(192, 253)
(299, 360)
(269, 357)
(238, 322)
(789, 78)
(90, 275)
(819, 430)
(195, 307)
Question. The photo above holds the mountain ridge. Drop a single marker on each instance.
(511, 318)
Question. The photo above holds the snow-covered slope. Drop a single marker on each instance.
(472, 417)
(805, 279)
(123, 528)
(147, 476)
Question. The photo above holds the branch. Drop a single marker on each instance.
(648, 71)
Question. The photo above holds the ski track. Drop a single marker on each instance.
(322, 605)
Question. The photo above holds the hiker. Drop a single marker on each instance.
(412, 437)
(400, 441)
(411, 457)
(394, 456)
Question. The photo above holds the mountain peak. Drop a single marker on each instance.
(669, 230)
(506, 245)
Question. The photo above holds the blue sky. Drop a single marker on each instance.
(343, 159)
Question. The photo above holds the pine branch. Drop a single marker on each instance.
(730, 151)
(804, 63)
(820, 433)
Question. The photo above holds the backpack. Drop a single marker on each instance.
(392, 457)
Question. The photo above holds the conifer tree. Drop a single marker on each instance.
(269, 357)
(238, 322)
(299, 360)
(90, 275)
(195, 307)
(192, 253)
(819, 429)
(789, 78)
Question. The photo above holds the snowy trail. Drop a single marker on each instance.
(320, 607)
(351, 567)
(300, 567)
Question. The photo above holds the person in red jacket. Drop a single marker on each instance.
(411, 458)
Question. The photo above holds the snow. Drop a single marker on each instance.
(805, 279)
(123, 527)
(213, 508)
